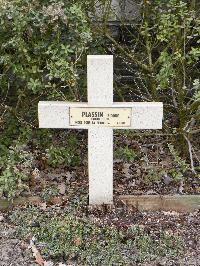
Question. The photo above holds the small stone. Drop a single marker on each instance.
(1, 218)
(62, 188)
(138, 171)
(131, 184)
(167, 179)
(151, 192)
(43, 205)
(48, 263)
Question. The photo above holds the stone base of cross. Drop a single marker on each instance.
(100, 115)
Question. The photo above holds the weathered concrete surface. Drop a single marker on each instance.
(100, 140)
(145, 115)
(178, 203)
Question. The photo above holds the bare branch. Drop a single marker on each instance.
(191, 155)
(127, 53)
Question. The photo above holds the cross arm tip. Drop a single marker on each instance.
(100, 57)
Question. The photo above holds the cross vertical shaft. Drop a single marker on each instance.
(100, 140)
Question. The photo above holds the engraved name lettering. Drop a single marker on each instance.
(92, 114)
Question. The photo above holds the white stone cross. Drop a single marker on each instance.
(100, 115)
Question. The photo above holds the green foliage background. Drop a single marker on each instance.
(43, 49)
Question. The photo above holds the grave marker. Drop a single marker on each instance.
(100, 115)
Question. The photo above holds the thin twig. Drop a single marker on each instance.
(195, 131)
(128, 54)
(191, 155)
(197, 158)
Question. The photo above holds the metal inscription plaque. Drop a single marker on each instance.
(100, 116)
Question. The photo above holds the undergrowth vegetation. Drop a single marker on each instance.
(78, 239)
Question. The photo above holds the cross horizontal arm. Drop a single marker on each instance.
(144, 115)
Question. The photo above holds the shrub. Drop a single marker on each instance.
(42, 56)
(43, 47)
(160, 54)
(16, 165)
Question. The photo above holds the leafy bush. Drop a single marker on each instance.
(15, 169)
(42, 50)
(176, 170)
(160, 54)
(62, 156)
(127, 154)
(180, 165)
